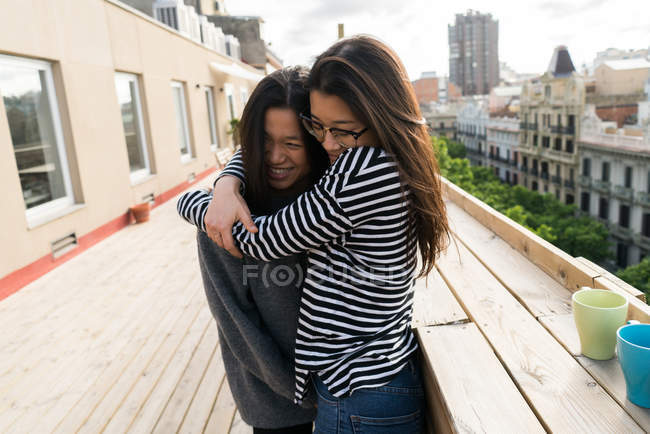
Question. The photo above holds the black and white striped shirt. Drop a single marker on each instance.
(356, 307)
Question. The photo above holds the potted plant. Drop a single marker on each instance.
(141, 212)
(234, 131)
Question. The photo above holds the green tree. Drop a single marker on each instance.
(638, 276)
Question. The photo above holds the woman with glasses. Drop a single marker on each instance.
(257, 316)
(363, 224)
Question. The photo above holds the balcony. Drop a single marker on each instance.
(602, 186)
(532, 127)
(115, 341)
(544, 175)
(584, 181)
(523, 125)
(642, 198)
(524, 169)
(556, 129)
(569, 184)
(556, 180)
(642, 241)
(481, 136)
(570, 130)
(621, 232)
(623, 193)
(513, 163)
(534, 171)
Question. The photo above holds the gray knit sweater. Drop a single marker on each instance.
(255, 305)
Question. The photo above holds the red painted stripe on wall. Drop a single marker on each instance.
(18, 279)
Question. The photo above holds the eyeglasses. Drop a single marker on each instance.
(344, 138)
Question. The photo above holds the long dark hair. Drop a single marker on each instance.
(285, 88)
(369, 77)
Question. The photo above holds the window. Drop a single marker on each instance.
(558, 144)
(230, 101)
(628, 177)
(624, 216)
(645, 225)
(621, 255)
(547, 91)
(569, 199)
(128, 98)
(209, 99)
(585, 200)
(535, 186)
(31, 107)
(569, 146)
(605, 172)
(181, 121)
(586, 166)
(243, 93)
(603, 208)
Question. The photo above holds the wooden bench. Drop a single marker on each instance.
(223, 156)
(510, 360)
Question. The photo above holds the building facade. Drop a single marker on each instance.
(550, 112)
(503, 148)
(614, 186)
(471, 125)
(474, 53)
(101, 109)
(426, 88)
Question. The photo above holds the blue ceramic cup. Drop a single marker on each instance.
(633, 347)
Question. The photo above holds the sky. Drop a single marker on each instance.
(529, 30)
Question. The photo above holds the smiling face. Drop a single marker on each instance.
(333, 112)
(285, 151)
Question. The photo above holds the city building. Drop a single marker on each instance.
(617, 54)
(101, 109)
(474, 53)
(441, 119)
(471, 125)
(426, 88)
(504, 100)
(618, 88)
(550, 111)
(509, 77)
(249, 31)
(614, 185)
(503, 147)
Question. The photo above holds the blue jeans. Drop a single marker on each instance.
(396, 407)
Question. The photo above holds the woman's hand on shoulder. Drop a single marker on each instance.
(227, 208)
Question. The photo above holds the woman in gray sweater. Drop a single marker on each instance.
(255, 303)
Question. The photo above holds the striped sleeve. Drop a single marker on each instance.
(193, 205)
(235, 167)
(350, 192)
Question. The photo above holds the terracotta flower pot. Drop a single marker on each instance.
(141, 212)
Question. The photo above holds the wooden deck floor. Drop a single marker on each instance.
(120, 339)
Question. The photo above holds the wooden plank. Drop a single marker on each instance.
(615, 279)
(565, 269)
(563, 329)
(610, 376)
(434, 303)
(172, 370)
(72, 418)
(116, 393)
(75, 372)
(181, 399)
(637, 309)
(204, 401)
(223, 413)
(550, 379)
(531, 286)
(84, 339)
(239, 426)
(141, 390)
(473, 386)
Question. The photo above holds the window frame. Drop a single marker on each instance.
(40, 213)
(185, 157)
(208, 91)
(140, 174)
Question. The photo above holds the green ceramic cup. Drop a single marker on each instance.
(598, 314)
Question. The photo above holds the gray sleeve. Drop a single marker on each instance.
(239, 320)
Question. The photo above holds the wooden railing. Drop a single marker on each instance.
(499, 349)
